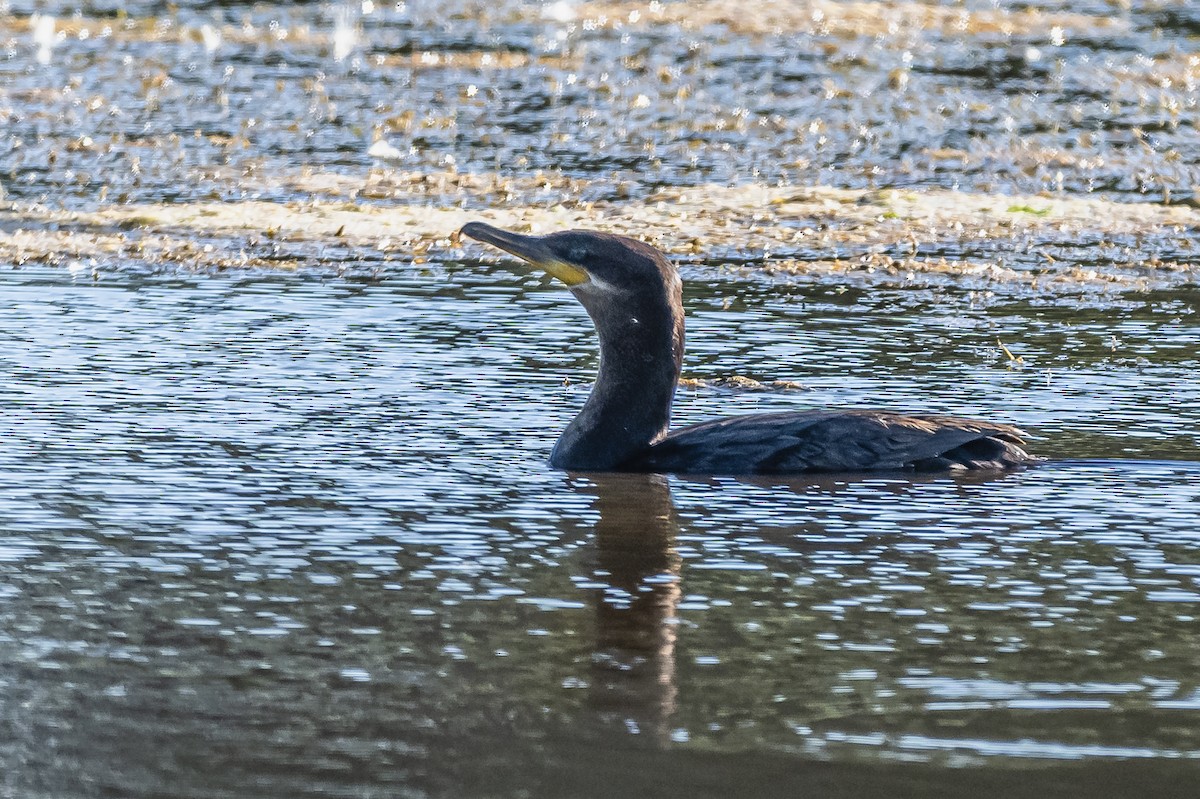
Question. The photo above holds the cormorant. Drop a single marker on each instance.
(633, 295)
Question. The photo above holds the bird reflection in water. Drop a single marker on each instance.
(637, 569)
(638, 578)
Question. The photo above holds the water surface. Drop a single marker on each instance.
(302, 527)
(292, 534)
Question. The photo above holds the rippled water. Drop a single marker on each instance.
(292, 534)
(1101, 98)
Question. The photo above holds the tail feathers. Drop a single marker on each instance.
(978, 453)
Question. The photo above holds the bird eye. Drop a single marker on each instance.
(578, 254)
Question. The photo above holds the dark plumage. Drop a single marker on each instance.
(833, 441)
(633, 295)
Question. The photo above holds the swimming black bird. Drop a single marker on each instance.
(633, 294)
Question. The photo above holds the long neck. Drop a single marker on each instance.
(641, 353)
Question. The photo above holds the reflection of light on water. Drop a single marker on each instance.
(211, 38)
(345, 32)
(561, 11)
(43, 37)
(385, 151)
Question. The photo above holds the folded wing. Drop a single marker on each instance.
(834, 441)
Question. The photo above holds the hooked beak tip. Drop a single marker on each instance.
(531, 249)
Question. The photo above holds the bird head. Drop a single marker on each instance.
(633, 295)
(596, 267)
